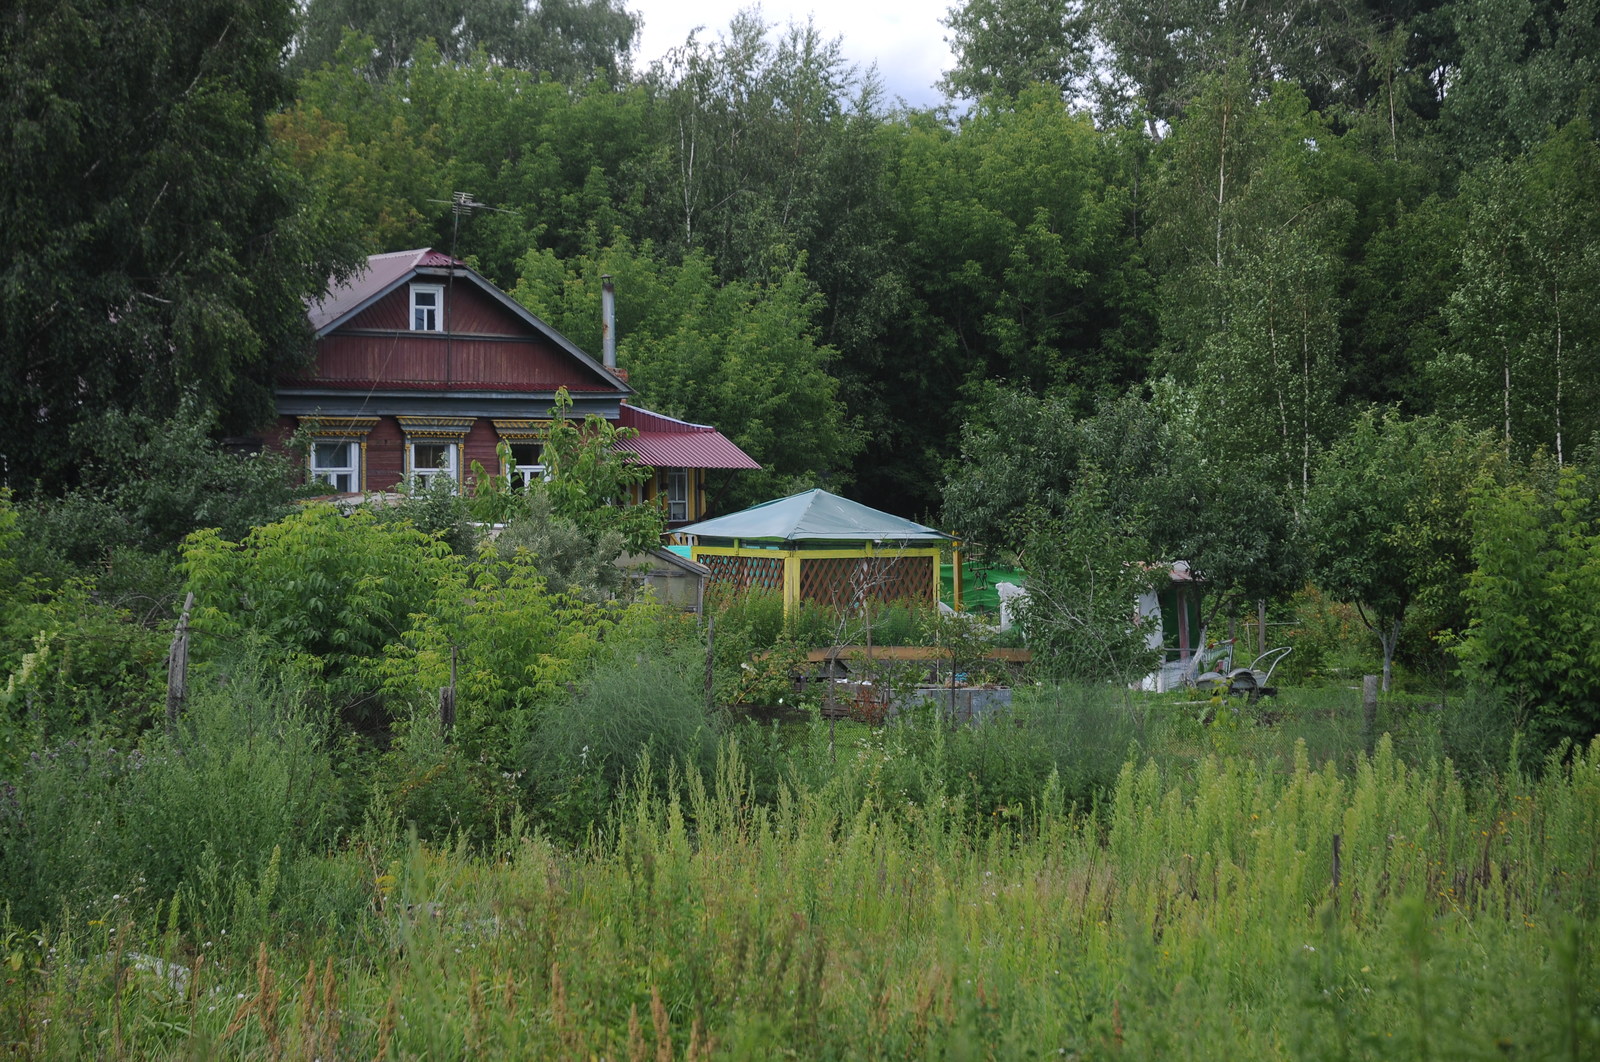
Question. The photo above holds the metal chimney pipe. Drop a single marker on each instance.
(608, 321)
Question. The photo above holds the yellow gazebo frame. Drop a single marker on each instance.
(811, 574)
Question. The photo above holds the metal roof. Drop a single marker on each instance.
(381, 273)
(661, 449)
(666, 442)
(814, 515)
(386, 272)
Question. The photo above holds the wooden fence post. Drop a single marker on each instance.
(447, 698)
(828, 708)
(711, 673)
(1369, 712)
(178, 664)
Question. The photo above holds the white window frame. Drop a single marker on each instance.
(421, 476)
(427, 318)
(521, 476)
(666, 480)
(331, 474)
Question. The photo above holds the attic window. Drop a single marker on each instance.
(427, 305)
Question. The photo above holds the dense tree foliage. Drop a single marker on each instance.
(1387, 520)
(156, 242)
(1525, 351)
(1537, 554)
(569, 40)
(1005, 46)
(1033, 466)
(1084, 567)
(742, 355)
(1259, 211)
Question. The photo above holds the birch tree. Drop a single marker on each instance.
(1525, 356)
(1247, 240)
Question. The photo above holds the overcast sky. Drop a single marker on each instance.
(904, 37)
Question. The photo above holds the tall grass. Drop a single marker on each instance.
(1196, 912)
(89, 823)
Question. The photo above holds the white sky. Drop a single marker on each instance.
(904, 37)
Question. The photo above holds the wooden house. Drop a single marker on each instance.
(422, 367)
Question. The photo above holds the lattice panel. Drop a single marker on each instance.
(842, 582)
(745, 573)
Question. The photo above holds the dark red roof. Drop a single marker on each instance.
(440, 385)
(666, 442)
(381, 271)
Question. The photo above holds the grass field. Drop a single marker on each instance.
(1196, 910)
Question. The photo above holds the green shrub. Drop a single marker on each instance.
(572, 560)
(326, 592)
(438, 510)
(1330, 641)
(437, 788)
(747, 621)
(91, 668)
(143, 486)
(511, 643)
(634, 704)
(90, 823)
(1532, 604)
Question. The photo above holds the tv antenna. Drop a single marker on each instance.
(460, 203)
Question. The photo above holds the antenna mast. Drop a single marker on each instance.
(460, 203)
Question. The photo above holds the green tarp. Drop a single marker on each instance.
(815, 516)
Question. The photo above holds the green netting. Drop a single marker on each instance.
(978, 584)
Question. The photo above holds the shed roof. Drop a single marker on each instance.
(814, 515)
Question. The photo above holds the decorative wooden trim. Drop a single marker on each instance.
(338, 427)
(454, 429)
(522, 430)
(357, 428)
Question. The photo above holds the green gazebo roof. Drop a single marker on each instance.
(813, 515)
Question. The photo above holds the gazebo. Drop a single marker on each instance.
(817, 546)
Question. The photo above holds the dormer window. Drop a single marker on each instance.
(427, 308)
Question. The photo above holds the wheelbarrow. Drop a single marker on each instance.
(1249, 682)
